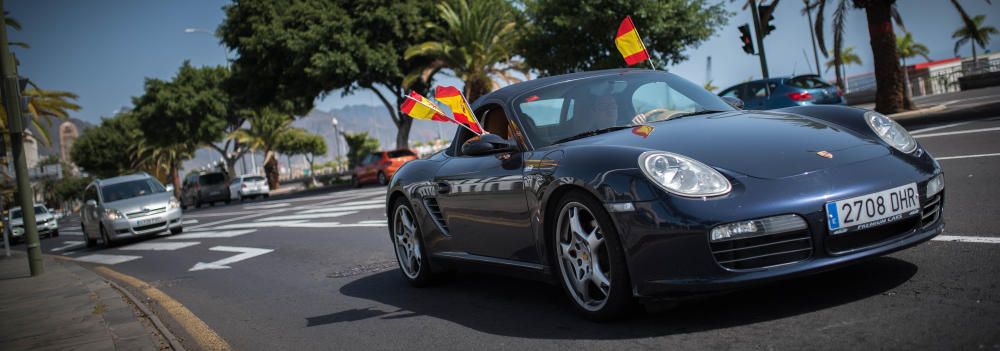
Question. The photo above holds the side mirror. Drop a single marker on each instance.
(486, 144)
(170, 188)
(734, 102)
(91, 203)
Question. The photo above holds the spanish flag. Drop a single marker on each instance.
(642, 130)
(629, 43)
(453, 98)
(417, 106)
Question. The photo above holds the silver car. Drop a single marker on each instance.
(45, 221)
(128, 206)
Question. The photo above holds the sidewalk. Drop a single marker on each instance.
(67, 307)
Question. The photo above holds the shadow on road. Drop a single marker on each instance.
(529, 309)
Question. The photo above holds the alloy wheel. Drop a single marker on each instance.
(583, 257)
(408, 251)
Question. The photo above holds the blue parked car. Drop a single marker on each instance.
(802, 90)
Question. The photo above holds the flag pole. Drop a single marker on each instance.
(452, 119)
(649, 57)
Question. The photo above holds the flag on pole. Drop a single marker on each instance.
(417, 106)
(460, 110)
(630, 44)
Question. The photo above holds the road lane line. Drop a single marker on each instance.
(306, 216)
(203, 335)
(266, 213)
(376, 221)
(211, 234)
(343, 208)
(981, 130)
(218, 214)
(160, 246)
(258, 225)
(70, 244)
(968, 239)
(190, 221)
(938, 127)
(267, 206)
(107, 259)
(965, 156)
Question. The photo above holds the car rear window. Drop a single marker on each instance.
(400, 153)
(212, 178)
(808, 83)
(253, 179)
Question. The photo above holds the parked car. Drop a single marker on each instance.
(128, 206)
(204, 188)
(699, 198)
(379, 167)
(45, 222)
(802, 90)
(249, 186)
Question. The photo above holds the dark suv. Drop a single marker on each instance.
(204, 188)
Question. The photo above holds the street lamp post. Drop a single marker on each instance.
(336, 141)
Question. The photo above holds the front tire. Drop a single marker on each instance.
(177, 230)
(408, 243)
(90, 242)
(106, 238)
(591, 261)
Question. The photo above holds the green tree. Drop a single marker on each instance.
(190, 111)
(71, 188)
(300, 142)
(105, 150)
(975, 33)
(909, 48)
(568, 36)
(267, 126)
(840, 59)
(359, 145)
(889, 96)
(293, 52)
(476, 41)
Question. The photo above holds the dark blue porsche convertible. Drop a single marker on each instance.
(628, 185)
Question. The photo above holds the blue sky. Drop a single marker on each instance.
(103, 49)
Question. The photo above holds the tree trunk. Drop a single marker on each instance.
(906, 81)
(889, 96)
(476, 85)
(975, 63)
(271, 170)
(175, 179)
(403, 132)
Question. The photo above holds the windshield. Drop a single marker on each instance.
(15, 214)
(212, 178)
(128, 190)
(557, 112)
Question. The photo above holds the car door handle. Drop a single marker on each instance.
(443, 188)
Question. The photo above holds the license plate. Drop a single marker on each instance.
(143, 222)
(872, 210)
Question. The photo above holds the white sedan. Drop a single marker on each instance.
(248, 186)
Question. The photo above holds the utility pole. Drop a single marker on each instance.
(812, 35)
(760, 46)
(14, 104)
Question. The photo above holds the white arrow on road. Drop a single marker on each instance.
(245, 253)
(69, 244)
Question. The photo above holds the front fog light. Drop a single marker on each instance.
(173, 203)
(935, 185)
(758, 227)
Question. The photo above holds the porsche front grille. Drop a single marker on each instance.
(435, 211)
(931, 211)
(763, 251)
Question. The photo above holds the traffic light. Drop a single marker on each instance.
(766, 15)
(745, 38)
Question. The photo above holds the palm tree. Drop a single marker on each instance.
(889, 96)
(974, 33)
(841, 59)
(44, 105)
(161, 160)
(909, 48)
(267, 127)
(476, 42)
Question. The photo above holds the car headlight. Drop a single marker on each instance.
(935, 185)
(113, 214)
(890, 132)
(173, 203)
(682, 175)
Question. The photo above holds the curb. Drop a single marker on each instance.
(160, 327)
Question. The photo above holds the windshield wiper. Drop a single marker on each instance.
(591, 133)
(688, 114)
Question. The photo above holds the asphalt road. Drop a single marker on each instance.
(318, 272)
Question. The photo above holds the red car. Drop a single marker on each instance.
(378, 167)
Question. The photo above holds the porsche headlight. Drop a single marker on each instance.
(172, 204)
(113, 214)
(682, 175)
(890, 132)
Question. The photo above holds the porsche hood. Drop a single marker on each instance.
(758, 144)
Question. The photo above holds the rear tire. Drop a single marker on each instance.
(55, 233)
(414, 264)
(382, 179)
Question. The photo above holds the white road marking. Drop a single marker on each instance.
(71, 233)
(980, 130)
(343, 208)
(376, 221)
(965, 156)
(367, 202)
(245, 253)
(160, 246)
(190, 221)
(107, 259)
(939, 127)
(333, 225)
(968, 239)
(259, 214)
(306, 216)
(258, 225)
(267, 206)
(211, 234)
(218, 214)
(70, 244)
